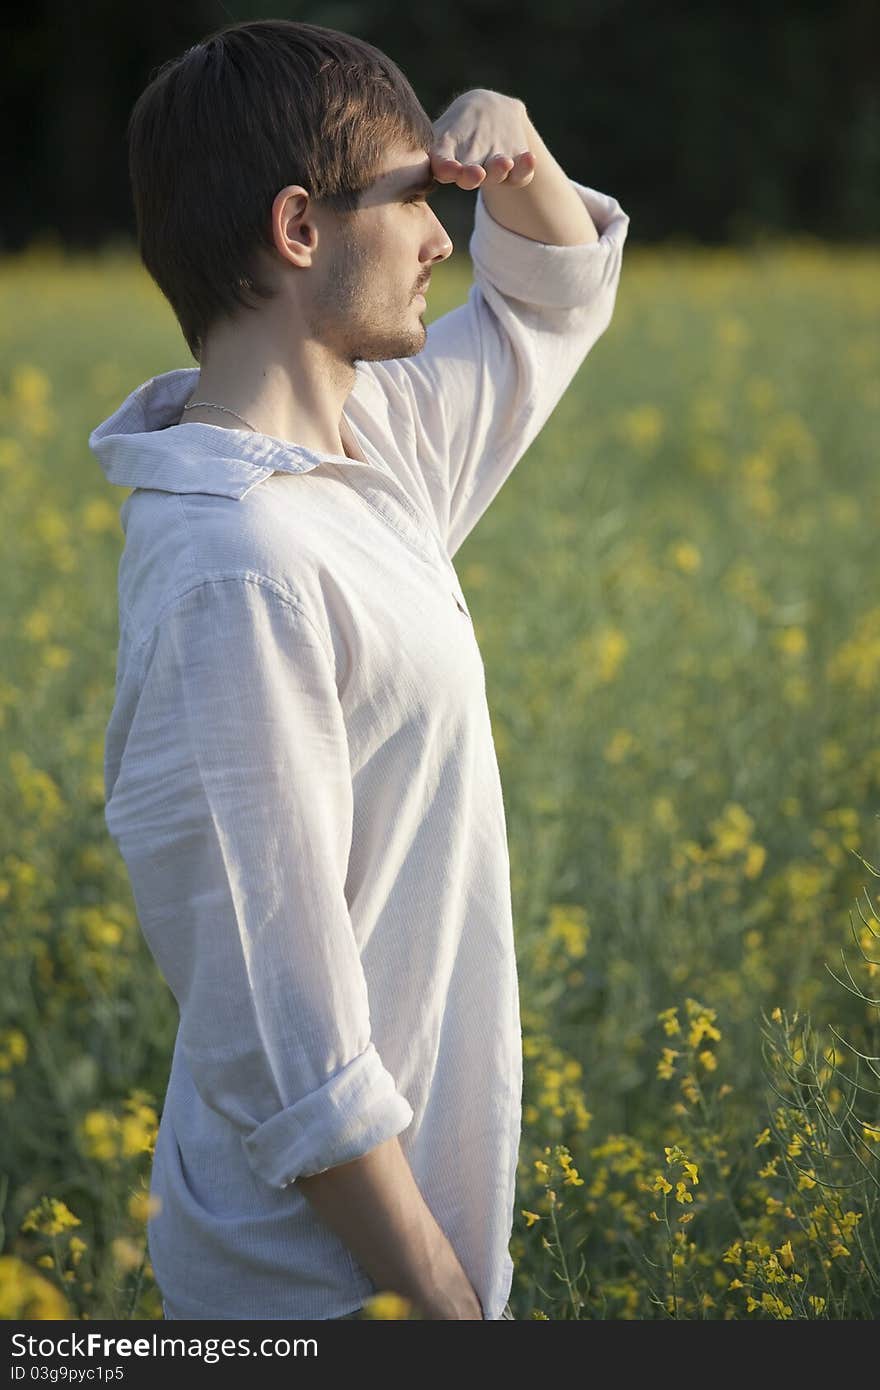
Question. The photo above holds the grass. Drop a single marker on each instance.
(675, 598)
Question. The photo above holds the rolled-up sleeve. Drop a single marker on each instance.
(493, 369)
(232, 808)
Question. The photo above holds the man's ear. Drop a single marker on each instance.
(294, 229)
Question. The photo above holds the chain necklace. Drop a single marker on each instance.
(193, 405)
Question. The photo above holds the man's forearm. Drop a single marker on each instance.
(374, 1205)
(547, 208)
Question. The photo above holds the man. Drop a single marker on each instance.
(300, 770)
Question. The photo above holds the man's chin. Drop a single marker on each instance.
(402, 345)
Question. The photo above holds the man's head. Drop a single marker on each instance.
(276, 148)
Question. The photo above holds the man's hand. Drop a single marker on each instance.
(481, 138)
(486, 140)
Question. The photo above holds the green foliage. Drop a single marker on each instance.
(682, 651)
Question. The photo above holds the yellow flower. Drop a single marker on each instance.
(98, 1130)
(97, 514)
(669, 1019)
(50, 1217)
(763, 1138)
(666, 1066)
(531, 1217)
(702, 1023)
(775, 1305)
(732, 830)
(126, 1254)
(689, 1089)
(792, 641)
(138, 1130)
(620, 744)
(849, 1222)
(571, 1173)
(611, 647)
(642, 426)
(756, 857)
(30, 385)
(388, 1306)
(475, 575)
(732, 331)
(13, 1048)
(708, 1059)
(569, 925)
(664, 813)
(142, 1205)
(25, 1294)
(77, 1249)
(686, 557)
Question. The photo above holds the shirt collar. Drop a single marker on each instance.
(142, 445)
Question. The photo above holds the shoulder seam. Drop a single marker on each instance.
(290, 601)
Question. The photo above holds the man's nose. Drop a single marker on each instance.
(447, 246)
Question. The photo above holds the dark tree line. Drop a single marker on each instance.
(708, 121)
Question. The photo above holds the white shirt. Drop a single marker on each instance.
(302, 782)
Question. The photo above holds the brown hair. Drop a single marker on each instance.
(221, 128)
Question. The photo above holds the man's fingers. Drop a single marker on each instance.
(448, 170)
(445, 168)
(498, 168)
(523, 170)
(471, 176)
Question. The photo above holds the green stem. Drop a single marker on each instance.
(671, 1253)
(562, 1258)
(715, 1159)
(138, 1283)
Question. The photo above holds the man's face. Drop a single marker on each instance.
(364, 298)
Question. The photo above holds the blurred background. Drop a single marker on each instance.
(715, 121)
(682, 662)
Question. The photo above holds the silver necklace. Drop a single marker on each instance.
(193, 405)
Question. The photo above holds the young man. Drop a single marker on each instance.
(300, 769)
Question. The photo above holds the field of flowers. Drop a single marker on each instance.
(676, 597)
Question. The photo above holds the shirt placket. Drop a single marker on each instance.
(385, 497)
